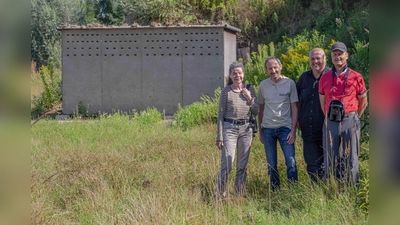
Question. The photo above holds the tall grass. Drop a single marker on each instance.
(114, 170)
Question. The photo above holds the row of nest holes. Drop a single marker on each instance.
(196, 33)
(83, 35)
(146, 54)
(186, 47)
(178, 40)
(146, 41)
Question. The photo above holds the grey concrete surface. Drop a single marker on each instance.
(129, 68)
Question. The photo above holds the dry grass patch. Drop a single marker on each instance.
(116, 171)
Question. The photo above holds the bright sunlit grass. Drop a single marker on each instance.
(116, 171)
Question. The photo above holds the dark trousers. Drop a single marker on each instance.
(341, 141)
(314, 157)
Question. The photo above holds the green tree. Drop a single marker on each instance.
(162, 11)
(89, 11)
(45, 39)
(111, 12)
(46, 16)
(71, 11)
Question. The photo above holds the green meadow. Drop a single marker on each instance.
(141, 169)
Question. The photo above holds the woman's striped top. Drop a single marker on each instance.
(234, 105)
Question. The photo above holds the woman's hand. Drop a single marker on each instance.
(246, 93)
(219, 144)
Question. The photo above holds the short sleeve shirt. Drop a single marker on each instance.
(311, 117)
(332, 87)
(277, 99)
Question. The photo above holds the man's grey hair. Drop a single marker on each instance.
(235, 65)
(272, 57)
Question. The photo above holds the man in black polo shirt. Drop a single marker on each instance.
(311, 117)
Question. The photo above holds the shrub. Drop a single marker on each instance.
(358, 20)
(147, 117)
(51, 95)
(293, 52)
(359, 60)
(82, 111)
(254, 68)
(205, 111)
(296, 58)
(163, 11)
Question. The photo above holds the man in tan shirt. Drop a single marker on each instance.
(277, 99)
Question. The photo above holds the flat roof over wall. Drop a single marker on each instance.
(101, 27)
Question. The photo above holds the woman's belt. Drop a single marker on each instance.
(237, 122)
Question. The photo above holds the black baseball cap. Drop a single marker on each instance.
(339, 46)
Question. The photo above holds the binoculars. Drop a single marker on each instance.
(336, 111)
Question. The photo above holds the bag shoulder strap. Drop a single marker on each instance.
(248, 88)
(345, 81)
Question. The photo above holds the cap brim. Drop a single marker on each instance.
(342, 50)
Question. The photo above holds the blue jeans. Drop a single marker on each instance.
(270, 138)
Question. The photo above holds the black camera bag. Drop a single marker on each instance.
(336, 111)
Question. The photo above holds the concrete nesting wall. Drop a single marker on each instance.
(135, 68)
